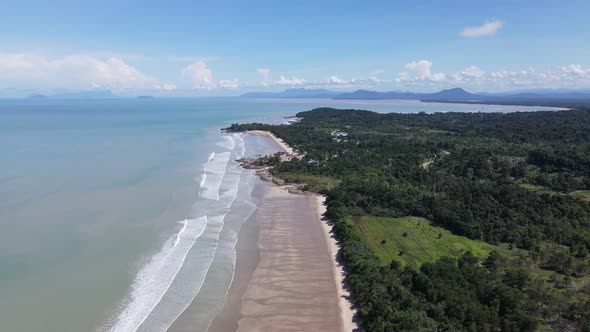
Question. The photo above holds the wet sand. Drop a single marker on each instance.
(292, 280)
(293, 286)
(289, 150)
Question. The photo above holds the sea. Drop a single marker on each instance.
(114, 212)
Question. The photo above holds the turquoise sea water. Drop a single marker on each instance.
(111, 210)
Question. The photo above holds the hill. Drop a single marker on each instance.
(293, 93)
(555, 98)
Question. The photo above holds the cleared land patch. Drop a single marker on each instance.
(413, 241)
(313, 182)
(582, 195)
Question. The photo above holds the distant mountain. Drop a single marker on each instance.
(452, 94)
(366, 94)
(540, 91)
(293, 93)
(455, 95)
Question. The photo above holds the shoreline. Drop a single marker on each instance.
(347, 311)
(286, 148)
(246, 307)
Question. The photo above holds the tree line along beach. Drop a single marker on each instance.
(469, 221)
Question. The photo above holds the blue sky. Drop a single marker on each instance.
(225, 48)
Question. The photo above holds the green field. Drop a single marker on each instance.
(313, 182)
(539, 189)
(421, 243)
(582, 194)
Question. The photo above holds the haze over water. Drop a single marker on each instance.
(95, 192)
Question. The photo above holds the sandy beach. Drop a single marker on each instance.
(297, 284)
(284, 146)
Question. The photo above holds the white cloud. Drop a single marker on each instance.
(336, 80)
(166, 87)
(290, 81)
(201, 77)
(199, 74)
(576, 70)
(420, 71)
(229, 84)
(489, 28)
(76, 71)
(469, 73)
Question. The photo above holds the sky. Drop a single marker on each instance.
(224, 48)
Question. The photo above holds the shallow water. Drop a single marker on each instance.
(113, 211)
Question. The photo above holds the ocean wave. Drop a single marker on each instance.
(204, 174)
(155, 278)
(227, 143)
(171, 280)
(214, 172)
(191, 278)
(241, 145)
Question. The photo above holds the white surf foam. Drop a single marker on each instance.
(241, 145)
(166, 285)
(154, 279)
(189, 281)
(227, 143)
(214, 171)
(204, 175)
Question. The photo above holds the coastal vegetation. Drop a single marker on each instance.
(454, 221)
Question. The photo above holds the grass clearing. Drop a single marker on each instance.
(413, 241)
(539, 189)
(315, 183)
(583, 195)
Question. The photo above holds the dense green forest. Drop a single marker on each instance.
(515, 180)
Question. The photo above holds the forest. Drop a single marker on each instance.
(517, 181)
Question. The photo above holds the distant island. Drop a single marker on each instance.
(456, 95)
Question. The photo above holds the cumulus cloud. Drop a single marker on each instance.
(469, 73)
(166, 86)
(420, 71)
(289, 81)
(77, 71)
(229, 84)
(201, 77)
(489, 28)
(199, 74)
(577, 69)
(336, 80)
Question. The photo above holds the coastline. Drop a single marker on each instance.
(284, 146)
(298, 283)
(347, 311)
